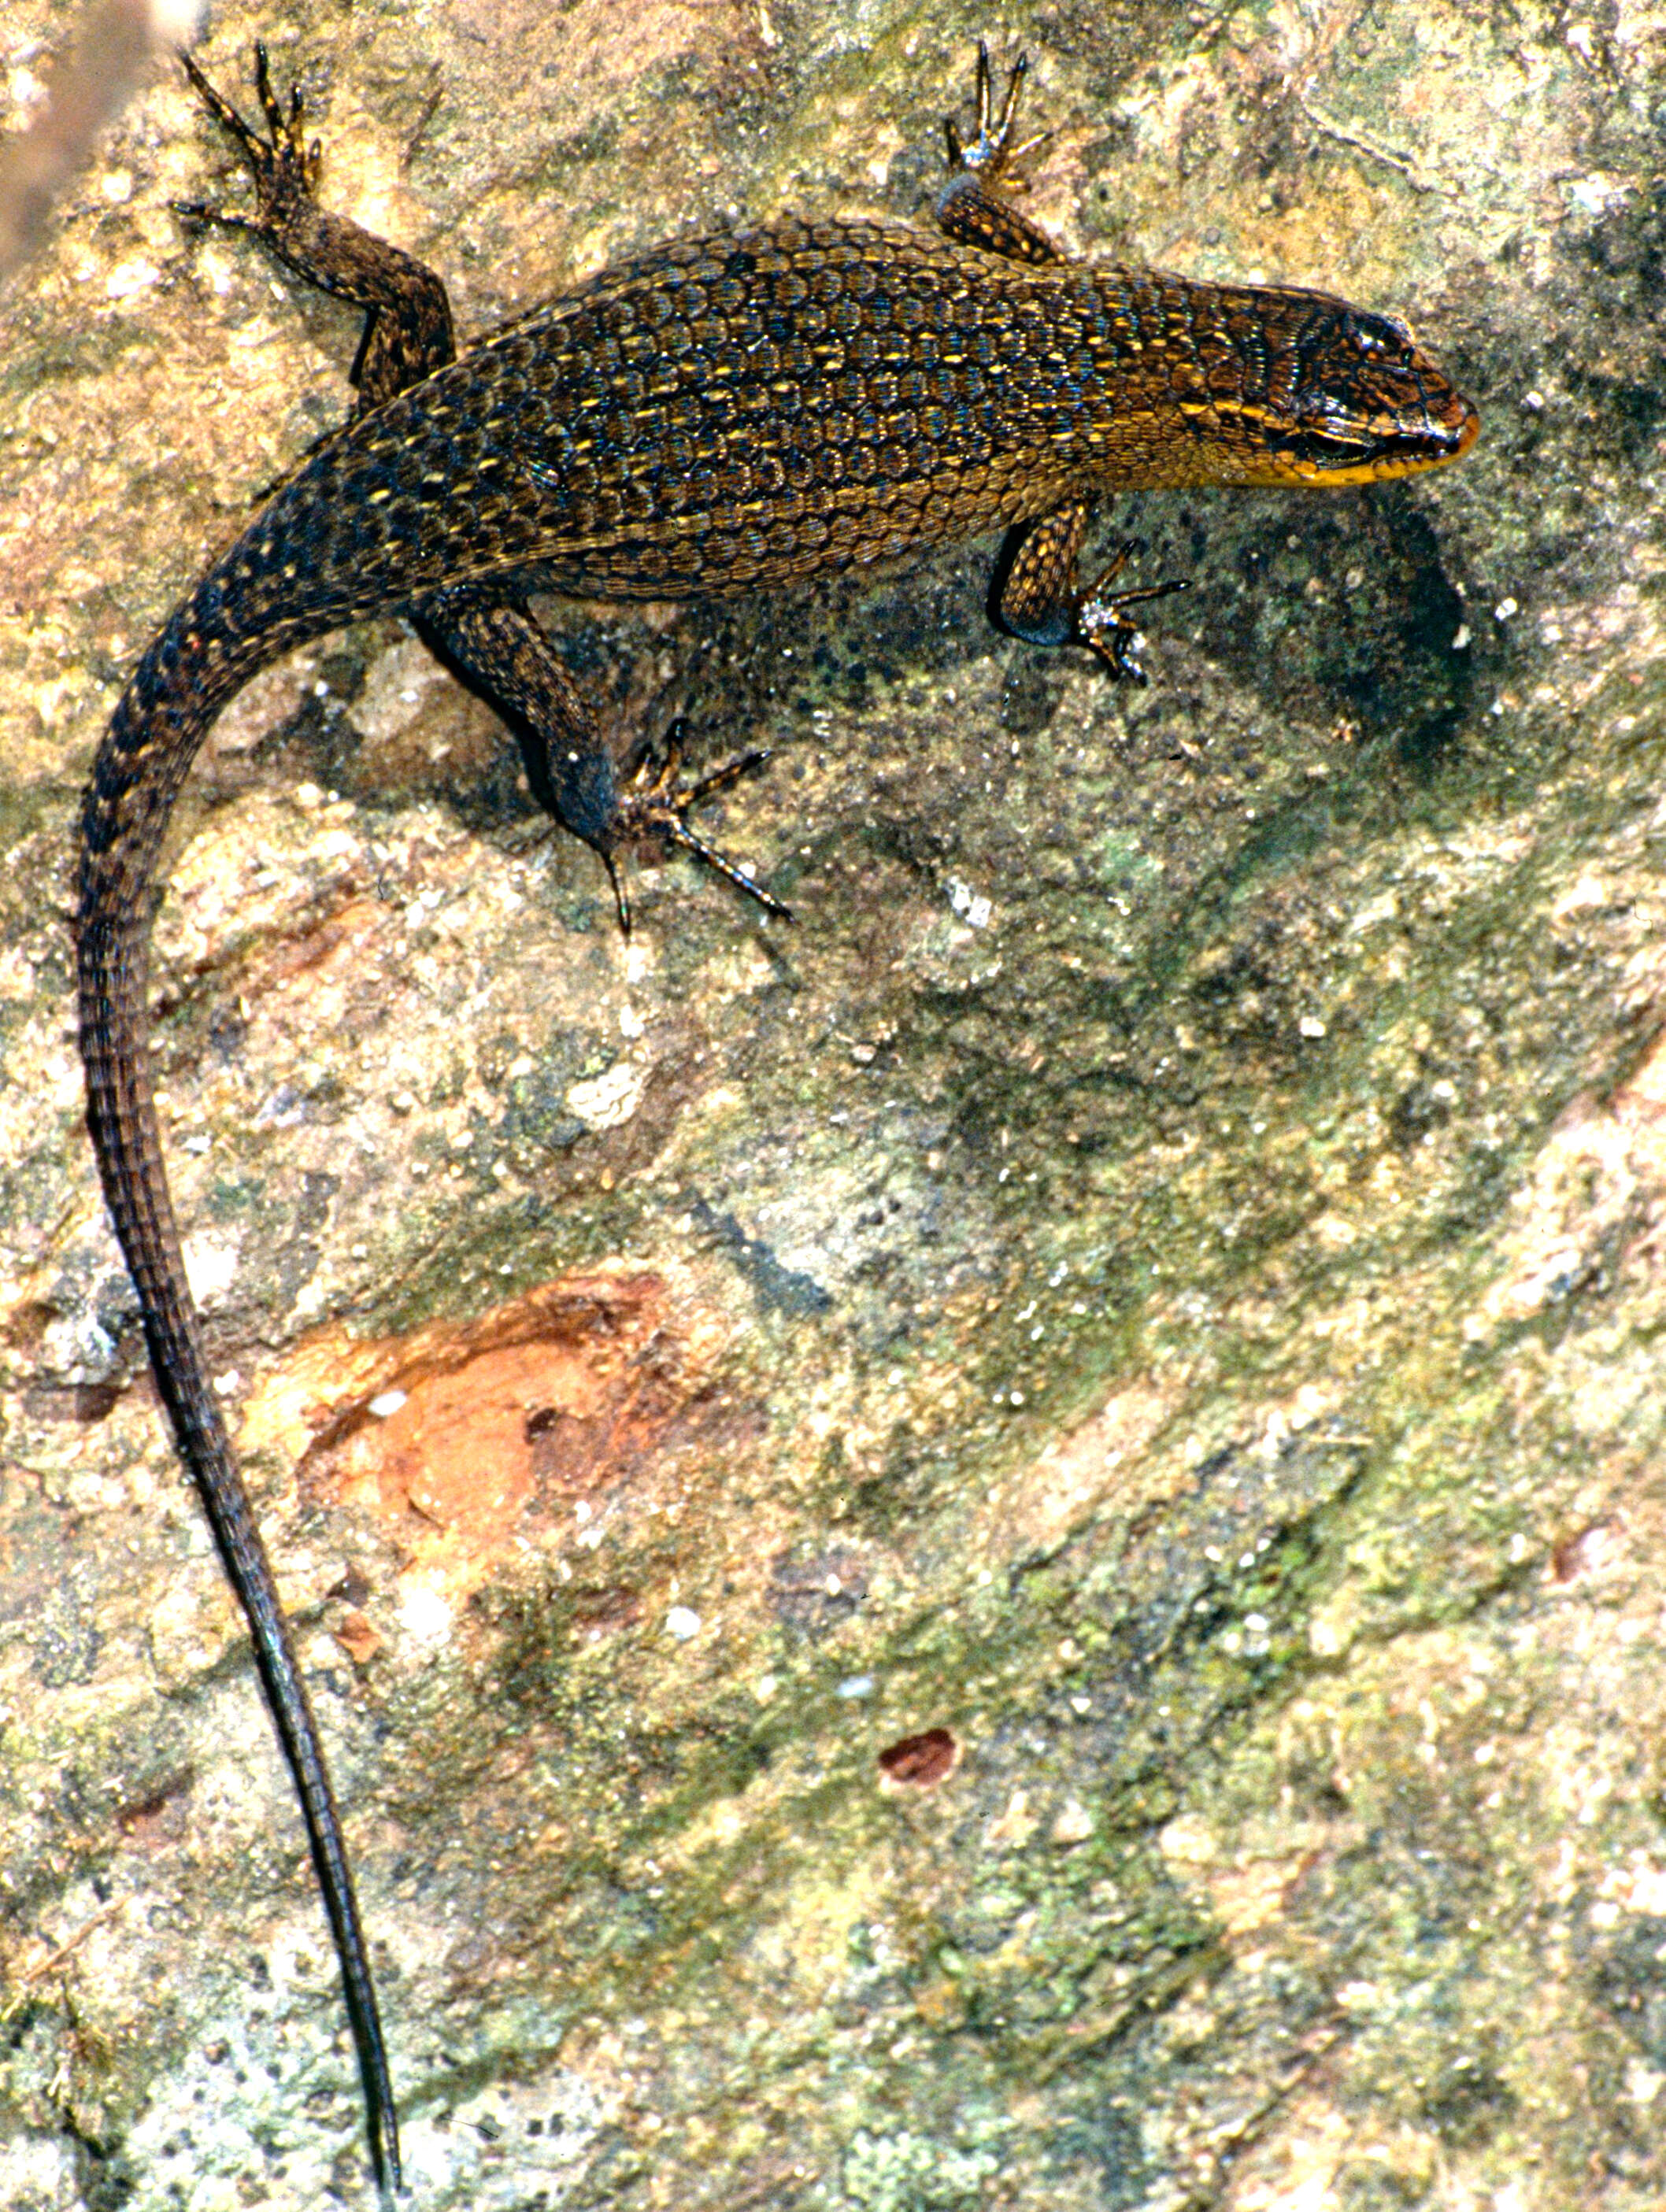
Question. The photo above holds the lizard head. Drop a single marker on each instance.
(1353, 399)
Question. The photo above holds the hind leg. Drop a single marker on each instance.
(488, 637)
(408, 330)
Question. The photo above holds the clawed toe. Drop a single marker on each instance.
(656, 805)
(1102, 624)
(991, 152)
(283, 165)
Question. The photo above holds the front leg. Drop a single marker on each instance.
(971, 210)
(1039, 599)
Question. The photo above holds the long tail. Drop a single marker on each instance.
(189, 672)
(412, 496)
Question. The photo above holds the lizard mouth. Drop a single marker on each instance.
(1432, 443)
(1322, 439)
(1328, 447)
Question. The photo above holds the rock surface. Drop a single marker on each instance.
(1003, 1550)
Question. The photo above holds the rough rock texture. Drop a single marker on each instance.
(1004, 1550)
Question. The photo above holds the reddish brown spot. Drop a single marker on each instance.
(158, 1817)
(357, 1637)
(77, 1401)
(923, 1759)
(610, 1611)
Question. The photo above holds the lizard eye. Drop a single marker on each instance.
(1379, 338)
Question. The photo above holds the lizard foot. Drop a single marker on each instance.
(655, 804)
(1102, 624)
(991, 153)
(284, 166)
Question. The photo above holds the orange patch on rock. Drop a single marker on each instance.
(463, 1437)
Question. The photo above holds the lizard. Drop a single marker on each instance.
(757, 407)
